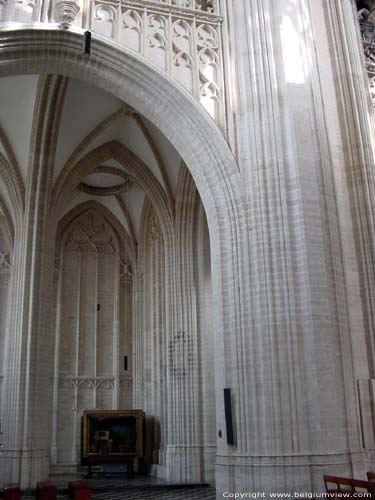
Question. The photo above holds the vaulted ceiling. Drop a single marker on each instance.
(90, 118)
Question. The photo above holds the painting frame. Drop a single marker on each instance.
(111, 415)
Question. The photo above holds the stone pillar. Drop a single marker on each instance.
(29, 346)
(357, 120)
(185, 446)
(206, 343)
(291, 373)
(150, 364)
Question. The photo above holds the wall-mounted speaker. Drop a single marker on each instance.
(228, 416)
(86, 44)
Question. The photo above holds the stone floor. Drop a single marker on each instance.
(139, 488)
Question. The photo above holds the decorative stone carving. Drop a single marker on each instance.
(126, 273)
(182, 3)
(91, 234)
(67, 11)
(154, 229)
(182, 37)
(25, 11)
(132, 29)
(90, 382)
(5, 264)
(367, 27)
(157, 40)
(209, 68)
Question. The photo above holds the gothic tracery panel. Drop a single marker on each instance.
(182, 56)
(209, 68)
(157, 40)
(104, 20)
(25, 11)
(182, 37)
(88, 326)
(131, 30)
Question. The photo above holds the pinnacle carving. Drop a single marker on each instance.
(67, 11)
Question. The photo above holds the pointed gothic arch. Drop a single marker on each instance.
(187, 126)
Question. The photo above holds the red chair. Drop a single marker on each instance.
(79, 490)
(12, 491)
(46, 491)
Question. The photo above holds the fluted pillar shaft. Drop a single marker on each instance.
(29, 345)
(292, 373)
(185, 443)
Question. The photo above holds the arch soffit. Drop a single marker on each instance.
(70, 218)
(65, 186)
(151, 93)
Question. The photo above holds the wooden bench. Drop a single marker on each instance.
(348, 485)
(12, 491)
(46, 491)
(79, 490)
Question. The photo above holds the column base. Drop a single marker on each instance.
(298, 475)
(184, 464)
(26, 467)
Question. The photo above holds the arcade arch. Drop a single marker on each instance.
(173, 262)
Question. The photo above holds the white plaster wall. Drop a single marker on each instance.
(17, 97)
(85, 107)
